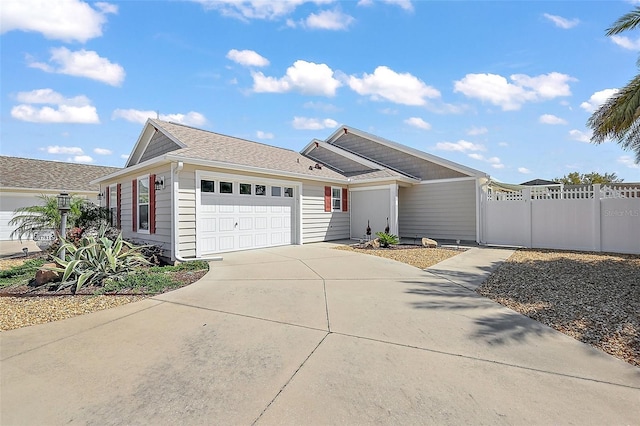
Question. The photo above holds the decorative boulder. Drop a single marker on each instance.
(428, 242)
(372, 244)
(44, 276)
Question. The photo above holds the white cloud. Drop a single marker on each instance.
(333, 20)
(191, 118)
(510, 96)
(493, 161)
(561, 22)
(247, 58)
(49, 96)
(400, 88)
(418, 122)
(475, 131)
(264, 135)
(102, 151)
(626, 160)
(304, 123)
(81, 159)
(626, 42)
(551, 119)
(597, 99)
(320, 106)
(82, 63)
(124, 156)
(307, 78)
(503, 144)
(67, 110)
(69, 20)
(580, 136)
(404, 4)
(69, 150)
(524, 170)
(460, 146)
(256, 9)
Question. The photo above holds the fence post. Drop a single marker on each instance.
(528, 220)
(597, 212)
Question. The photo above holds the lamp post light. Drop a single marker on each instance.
(64, 205)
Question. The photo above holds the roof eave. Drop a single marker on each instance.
(407, 150)
(149, 163)
(252, 169)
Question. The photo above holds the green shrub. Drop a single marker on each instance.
(387, 239)
(97, 259)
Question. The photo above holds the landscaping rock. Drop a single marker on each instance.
(44, 276)
(372, 244)
(428, 242)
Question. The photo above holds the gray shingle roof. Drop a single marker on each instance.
(206, 145)
(25, 173)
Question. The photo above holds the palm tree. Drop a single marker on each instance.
(619, 117)
(43, 216)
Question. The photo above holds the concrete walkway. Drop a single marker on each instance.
(307, 335)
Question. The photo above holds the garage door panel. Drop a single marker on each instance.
(228, 222)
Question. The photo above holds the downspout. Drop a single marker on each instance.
(175, 172)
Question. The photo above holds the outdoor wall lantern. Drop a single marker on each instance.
(159, 183)
(100, 196)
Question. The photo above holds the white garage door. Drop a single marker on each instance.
(252, 215)
(8, 203)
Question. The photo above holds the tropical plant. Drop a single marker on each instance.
(95, 260)
(387, 239)
(592, 178)
(44, 216)
(619, 117)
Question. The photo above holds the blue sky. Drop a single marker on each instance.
(505, 87)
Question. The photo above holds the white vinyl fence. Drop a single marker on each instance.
(603, 219)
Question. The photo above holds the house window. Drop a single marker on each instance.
(143, 204)
(207, 186)
(336, 199)
(226, 188)
(276, 191)
(288, 192)
(245, 189)
(113, 205)
(261, 190)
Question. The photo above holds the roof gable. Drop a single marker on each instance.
(401, 158)
(45, 175)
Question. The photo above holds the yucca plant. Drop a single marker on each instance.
(96, 259)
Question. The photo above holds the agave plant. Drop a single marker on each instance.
(96, 259)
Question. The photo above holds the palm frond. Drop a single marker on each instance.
(626, 22)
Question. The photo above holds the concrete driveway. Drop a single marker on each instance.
(309, 335)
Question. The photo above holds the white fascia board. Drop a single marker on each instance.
(127, 170)
(408, 150)
(386, 179)
(251, 169)
(429, 182)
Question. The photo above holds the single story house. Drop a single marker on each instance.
(196, 193)
(23, 180)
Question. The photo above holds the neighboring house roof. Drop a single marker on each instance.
(188, 143)
(28, 173)
(538, 182)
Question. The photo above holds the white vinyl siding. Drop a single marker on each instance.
(439, 210)
(318, 225)
(371, 207)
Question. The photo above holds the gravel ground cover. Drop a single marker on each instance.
(592, 297)
(417, 256)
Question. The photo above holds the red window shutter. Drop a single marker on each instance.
(345, 201)
(134, 205)
(327, 198)
(119, 203)
(106, 196)
(152, 204)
